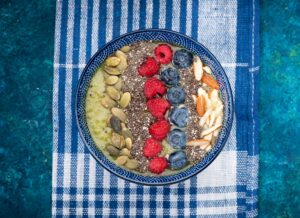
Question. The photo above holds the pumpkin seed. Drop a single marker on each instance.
(123, 60)
(113, 151)
(126, 133)
(107, 102)
(123, 125)
(115, 124)
(132, 164)
(108, 120)
(119, 84)
(112, 71)
(121, 160)
(113, 92)
(111, 80)
(112, 61)
(119, 114)
(125, 100)
(128, 143)
(117, 140)
(125, 152)
(125, 48)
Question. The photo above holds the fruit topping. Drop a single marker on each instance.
(158, 164)
(170, 76)
(153, 87)
(152, 148)
(179, 116)
(182, 58)
(159, 129)
(176, 95)
(149, 67)
(177, 138)
(177, 160)
(163, 53)
(158, 107)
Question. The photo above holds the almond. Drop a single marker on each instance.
(201, 105)
(210, 130)
(208, 137)
(207, 69)
(211, 82)
(204, 118)
(198, 71)
(199, 142)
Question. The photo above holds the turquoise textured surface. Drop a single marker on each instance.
(26, 56)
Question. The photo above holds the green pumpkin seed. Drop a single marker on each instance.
(117, 140)
(112, 61)
(115, 124)
(113, 93)
(107, 102)
(108, 120)
(125, 100)
(123, 60)
(111, 80)
(125, 49)
(119, 114)
(125, 152)
(113, 151)
(123, 125)
(112, 71)
(128, 143)
(126, 133)
(132, 164)
(119, 84)
(121, 160)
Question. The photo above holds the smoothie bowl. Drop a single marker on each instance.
(154, 107)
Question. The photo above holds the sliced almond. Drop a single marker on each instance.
(210, 81)
(212, 118)
(207, 121)
(194, 98)
(208, 137)
(208, 148)
(202, 143)
(201, 105)
(207, 69)
(204, 118)
(201, 91)
(219, 120)
(219, 110)
(198, 71)
(216, 132)
(210, 130)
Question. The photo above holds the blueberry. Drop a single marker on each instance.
(177, 138)
(176, 95)
(177, 160)
(182, 58)
(179, 116)
(170, 76)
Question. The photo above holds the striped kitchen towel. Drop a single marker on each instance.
(228, 187)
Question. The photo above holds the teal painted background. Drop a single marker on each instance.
(26, 58)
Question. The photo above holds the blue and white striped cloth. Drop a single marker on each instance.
(228, 187)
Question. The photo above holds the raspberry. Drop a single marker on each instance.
(149, 67)
(159, 129)
(152, 148)
(163, 53)
(154, 86)
(158, 164)
(158, 107)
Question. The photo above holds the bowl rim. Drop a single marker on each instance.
(91, 151)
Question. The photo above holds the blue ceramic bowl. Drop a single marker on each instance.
(162, 36)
